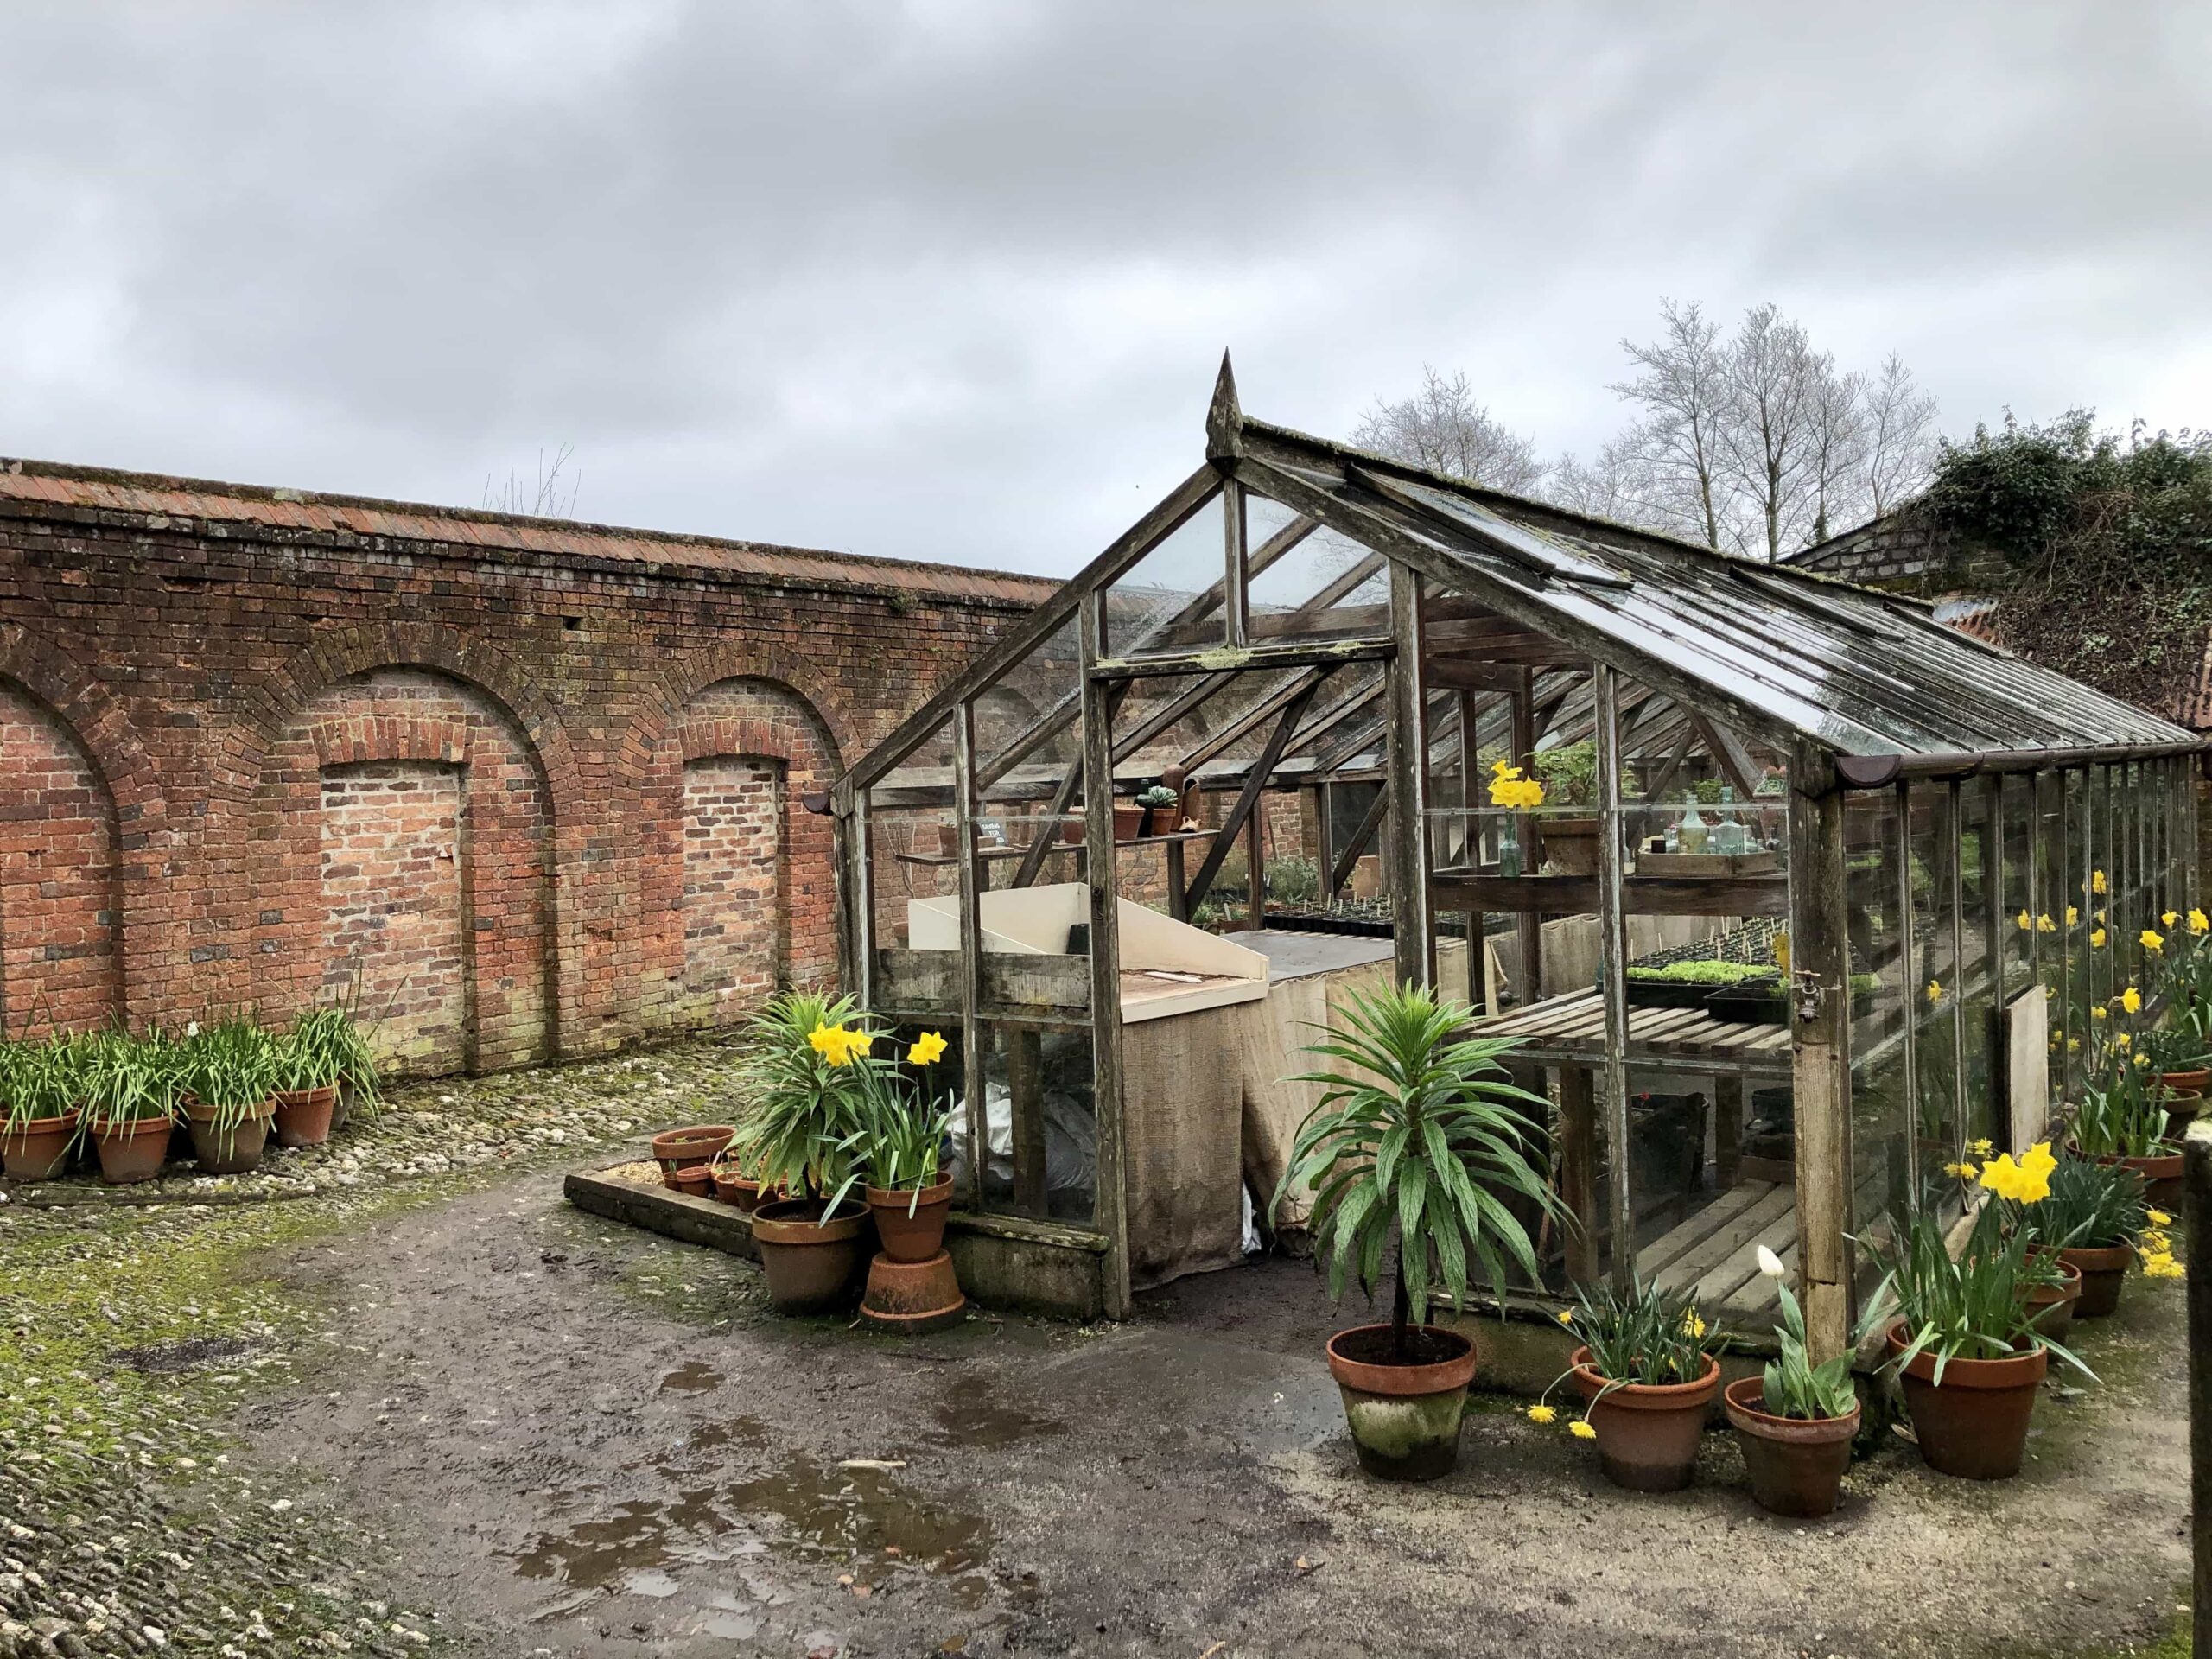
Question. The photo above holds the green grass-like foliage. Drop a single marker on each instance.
(41, 1080)
(2091, 1206)
(315, 1051)
(2123, 1111)
(232, 1066)
(903, 1125)
(1974, 1306)
(1643, 1334)
(1792, 1386)
(1417, 1134)
(125, 1080)
(1705, 972)
(803, 1116)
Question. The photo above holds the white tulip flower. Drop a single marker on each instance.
(1770, 1264)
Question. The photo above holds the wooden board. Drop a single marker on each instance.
(1572, 1028)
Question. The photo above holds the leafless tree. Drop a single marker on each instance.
(1676, 452)
(1774, 380)
(1836, 460)
(1441, 426)
(1609, 486)
(1900, 437)
(552, 497)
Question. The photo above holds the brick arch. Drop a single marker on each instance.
(404, 826)
(51, 678)
(741, 876)
(677, 687)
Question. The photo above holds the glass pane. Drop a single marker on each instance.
(1170, 599)
(1039, 1123)
(1881, 1110)
(1936, 990)
(1317, 586)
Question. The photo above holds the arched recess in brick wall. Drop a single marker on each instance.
(745, 876)
(61, 879)
(405, 841)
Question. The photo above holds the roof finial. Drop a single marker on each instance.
(1224, 418)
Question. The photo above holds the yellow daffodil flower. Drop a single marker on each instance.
(2162, 1266)
(2027, 1181)
(2025, 921)
(2123, 1040)
(2198, 921)
(2157, 1217)
(828, 1041)
(1961, 1171)
(2045, 924)
(2098, 1012)
(1935, 992)
(2097, 939)
(2073, 915)
(1581, 1430)
(2169, 920)
(1567, 1316)
(928, 1049)
(1693, 1325)
(2131, 1001)
(1542, 1415)
(2096, 881)
(2152, 940)
(2073, 1045)
(1982, 1147)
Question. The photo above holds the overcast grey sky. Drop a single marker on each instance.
(949, 279)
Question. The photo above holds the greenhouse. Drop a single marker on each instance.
(1790, 894)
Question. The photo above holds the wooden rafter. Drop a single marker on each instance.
(1248, 797)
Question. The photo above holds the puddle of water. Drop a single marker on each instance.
(693, 1377)
(849, 1514)
(978, 1422)
(728, 1431)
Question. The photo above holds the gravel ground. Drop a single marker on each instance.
(450, 1412)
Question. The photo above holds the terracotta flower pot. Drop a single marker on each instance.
(1570, 845)
(810, 1263)
(741, 1192)
(132, 1152)
(2182, 1104)
(2193, 1082)
(1404, 1418)
(693, 1181)
(1647, 1433)
(2055, 1304)
(1975, 1423)
(230, 1151)
(1128, 820)
(2104, 1272)
(37, 1150)
(914, 1238)
(913, 1297)
(700, 1143)
(1795, 1463)
(2161, 1174)
(303, 1116)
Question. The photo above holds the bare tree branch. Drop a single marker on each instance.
(1441, 426)
(553, 496)
(1677, 449)
(1900, 437)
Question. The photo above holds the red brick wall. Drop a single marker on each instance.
(57, 876)
(206, 719)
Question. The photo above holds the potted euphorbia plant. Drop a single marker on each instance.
(1795, 1420)
(1646, 1373)
(1966, 1348)
(130, 1090)
(802, 1086)
(230, 1069)
(39, 1102)
(1412, 1151)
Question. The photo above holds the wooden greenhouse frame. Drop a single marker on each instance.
(1934, 788)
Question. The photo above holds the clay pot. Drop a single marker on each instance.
(132, 1152)
(1404, 1418)
(2054, 1304)
(677, 1149)
(231, 1151)
(1647, 1432)
(1975, 1423)
(2103, 1269)
(913, 1296)
(2161, 1174)
(37, 1150)
(741, 1192)
(915, 1237)
(303, 1116)
(1795, 1463)
(692, 1181)
(2182, 1104)
(1128, 820)
(1570, 845)
(809, 1262)
(2187, 1082)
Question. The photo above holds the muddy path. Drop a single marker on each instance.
(585, 1441)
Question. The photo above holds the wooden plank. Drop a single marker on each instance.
(1577, 1177)
(1250, 659)
(1726, 1241)
(1406, 760)
(1249, 796)
(1645, 895)
(1685, 1235)
(1111, 1212)
(1355, 848)
(1820, 1048)
(1731, 1276)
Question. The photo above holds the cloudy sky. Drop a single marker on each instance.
(949, 279)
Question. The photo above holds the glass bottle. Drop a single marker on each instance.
(1728, 834)
(1691, 836)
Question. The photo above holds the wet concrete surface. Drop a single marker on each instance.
(587, 1441)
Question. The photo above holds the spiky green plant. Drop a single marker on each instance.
(1413, 1141)
(904, 1120)
(1973, 1306)
(2091, 1206)
(315, 1050)
(1643, 1334)
(40, 1079)
(2122, 1112)
(801, 1104)
(123, 1079)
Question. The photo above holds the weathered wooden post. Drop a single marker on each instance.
(2196, 1174)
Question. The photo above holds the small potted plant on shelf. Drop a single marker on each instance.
(1796, 1421)
(1162, 808)
(230, 1069)
(1965, 1347)
(39, 1102)
(1647, 1372)
(1415, 1148)
(129, 1092)
(801, 1078)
